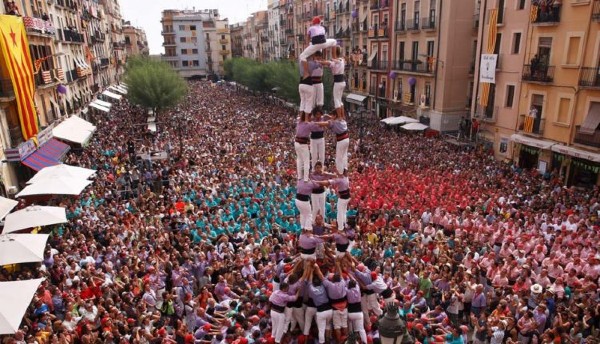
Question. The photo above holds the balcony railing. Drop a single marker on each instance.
(289, 31)
(167, 32)
(6, 88)
(596, 10)
(550, 15)
(414, 66)
(168, 43)
(531, 125)
(589, 77)
(118, 45)
(377, 4)
(428, 23)
(538, 74)
(379, 64)
(66, 35)
(592, 140)
(378, 32)
(412, 25)
(72, 75)
(98, 37)
(38, 26)
(104, 62)
(400, 26)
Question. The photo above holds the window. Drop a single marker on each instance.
(182, 39)
(415, 50)
(430, 47)
(500, 11)
(192, 27)
(196, 63)
(183, 51)
(520, 4)
(417, 15)
(181, 27)
(516, 43)
(510, 96)
(573, 50)
(184, 63)
(498, 43)
(401, 51)
(537, 102)
(564, 105)
(194, 39)
(194, 51)
(223, 47)
(222, 36)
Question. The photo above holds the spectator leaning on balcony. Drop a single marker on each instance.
(12, 9)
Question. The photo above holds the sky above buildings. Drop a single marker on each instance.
(146, 14)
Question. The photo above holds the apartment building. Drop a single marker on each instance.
(135, 40)
(237, 39)
(196, 42)
(275, 42)
(75, 48)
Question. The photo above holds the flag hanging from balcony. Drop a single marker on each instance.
(16, 59)
(489, 49)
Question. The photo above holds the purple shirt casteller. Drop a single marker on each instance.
(340, 183)
(303, 128)
(305, 188)
(339, 126)
(308, 242)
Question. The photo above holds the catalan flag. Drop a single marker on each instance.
(16, 59)
(489, 49)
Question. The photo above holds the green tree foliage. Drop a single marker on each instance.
(280, 75)
(153, 84)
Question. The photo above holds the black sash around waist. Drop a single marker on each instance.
(277, 308)
(307, 81)
(367, 292)
(320, 39)
(339, 78)
(308, 250)
(302, 140)
(323, 308)
(354, 307)
(303, 198)
(295, 304)
(318, 190)
(316, 80)
(310, 303)
(342, 136)
(342, 247)
(344, 194)
(334, 301)
(317, 134)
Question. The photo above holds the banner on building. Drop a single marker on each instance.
(487, 69)
(16, 59)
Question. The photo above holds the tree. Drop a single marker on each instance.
(153, 84)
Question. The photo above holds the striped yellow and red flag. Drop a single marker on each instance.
(489, 49)
(16, 59)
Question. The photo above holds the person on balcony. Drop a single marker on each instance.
(12, 9)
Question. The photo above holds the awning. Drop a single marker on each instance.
(371, 58)
(152, 127)
(592, 120)
(74, 129)
(49, 154)
(529, 141)
(576, 152)
(15, 298)
(112, 95)
(102, 103)
(118, 89)
(6, 205)
(99, 107)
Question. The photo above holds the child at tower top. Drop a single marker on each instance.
(316, 33)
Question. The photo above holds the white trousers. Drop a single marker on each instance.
(307, 97)
(319, 94)
(369, 303)
(357, 324)
(341, 155)
(338, 91)
(309, 314)
(313, 48)
(317, 151)
(298, 317)
(305, 214)
(318, 205)
(302, 160)
(278, 323)
(324, 323)
(340, 319)
(342, 209)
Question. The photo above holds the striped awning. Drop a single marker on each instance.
(49, 154)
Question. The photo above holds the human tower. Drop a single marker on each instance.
(328, 286)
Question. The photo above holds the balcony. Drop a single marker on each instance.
(412, 25)
(428, 24)
(379, 65)
(282, 42)
(596, 11)
(72, 75)
(168, 44)
(170, 58)
(301, 38)
(400, 26)
(167, 32)
(37, 26)
(343, 8)
(6, 88)
(589, 77)
(104, 62)
(378, 4)
(414, 67)
(541, 73)
(487, 114)
(223, 41)
(289, 32)
(548, 17)
(118, 45)
(98, 37)
(592, 140)
(71, 36)
(224, 52)
(531, 125)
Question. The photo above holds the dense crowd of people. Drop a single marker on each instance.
(203, 246)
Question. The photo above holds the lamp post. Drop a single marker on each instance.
(392, 329)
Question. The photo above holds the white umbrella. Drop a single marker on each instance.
(415, 126)
(22, 248)
(62, 170)
(34, 216)
(6, 205)
(15, 297)
(55, 186)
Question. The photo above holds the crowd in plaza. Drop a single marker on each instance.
(232, 236)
